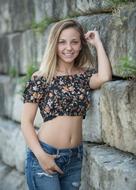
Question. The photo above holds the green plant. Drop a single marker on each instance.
(126, 67)
(73, 14)
(42, 25)
(22, 81)
(117, 2)
(13, 72)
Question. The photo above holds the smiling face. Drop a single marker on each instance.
(69, 45)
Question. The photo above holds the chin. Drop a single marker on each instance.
(68, 62)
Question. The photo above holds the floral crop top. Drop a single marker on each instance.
(65, 95)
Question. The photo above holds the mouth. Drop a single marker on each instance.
(68, 55)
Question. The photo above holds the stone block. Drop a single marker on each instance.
(12, 145)
(11, 178)
(121, 38)
(20, 50)
(4, 51)
(62, 9)
(118, 108)
(91, 7)
(41, 41)
(52, 9)
(17, 51)
(4, 171)
(7, 87)
(14, 180)
(92, 122)
(16, 15)
(106, 168)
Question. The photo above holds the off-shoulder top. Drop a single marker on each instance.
(65, 95)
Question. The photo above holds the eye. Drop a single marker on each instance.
(61, 42)
(75, 42)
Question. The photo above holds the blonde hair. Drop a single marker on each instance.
(49, 62)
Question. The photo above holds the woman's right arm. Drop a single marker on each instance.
(27, 125)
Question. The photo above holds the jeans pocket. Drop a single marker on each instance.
(35, 166)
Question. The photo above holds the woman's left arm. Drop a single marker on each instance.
(104, 73)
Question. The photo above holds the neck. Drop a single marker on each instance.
(66, 68)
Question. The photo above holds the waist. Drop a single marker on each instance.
(62, 151)
(62, 132)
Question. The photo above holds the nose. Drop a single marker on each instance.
(69, 47)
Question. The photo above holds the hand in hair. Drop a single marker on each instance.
(93, 37)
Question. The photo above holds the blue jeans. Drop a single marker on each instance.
(70, 162)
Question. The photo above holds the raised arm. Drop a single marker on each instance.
(104, 67)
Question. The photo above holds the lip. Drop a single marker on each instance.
(69, 54)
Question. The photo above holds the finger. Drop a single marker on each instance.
(51, 171)
(90, 34)
(87, 34)
(55, 156)
(58, 170)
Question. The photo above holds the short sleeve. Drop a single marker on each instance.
(90, 72)
(33, 90)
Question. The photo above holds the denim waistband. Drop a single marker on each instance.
(67, 151)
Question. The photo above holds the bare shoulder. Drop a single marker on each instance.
(35, 74)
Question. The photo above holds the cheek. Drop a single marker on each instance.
(59, 49)
(77, 49)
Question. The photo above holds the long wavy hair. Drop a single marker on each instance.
(50, 60)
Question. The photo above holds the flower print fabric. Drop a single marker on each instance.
(65, 95)
(33, 90)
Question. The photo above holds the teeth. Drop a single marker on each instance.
(68, 55)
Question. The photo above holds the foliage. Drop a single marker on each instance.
(22, 80)
(73, 14)
(118, 2)
(13, 72)
(41, 26)
(126, 67)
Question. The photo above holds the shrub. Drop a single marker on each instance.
(126, 67)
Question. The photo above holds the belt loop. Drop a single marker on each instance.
(78, 154)
(70, 152)
(57, 151)
(79, 150)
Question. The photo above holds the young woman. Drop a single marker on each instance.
(61, 90)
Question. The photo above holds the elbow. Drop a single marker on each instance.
(106, 78)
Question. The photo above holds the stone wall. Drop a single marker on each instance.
(109, 130)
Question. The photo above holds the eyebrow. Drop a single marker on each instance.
(72, 39)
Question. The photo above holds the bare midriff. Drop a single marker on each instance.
(62, 131)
